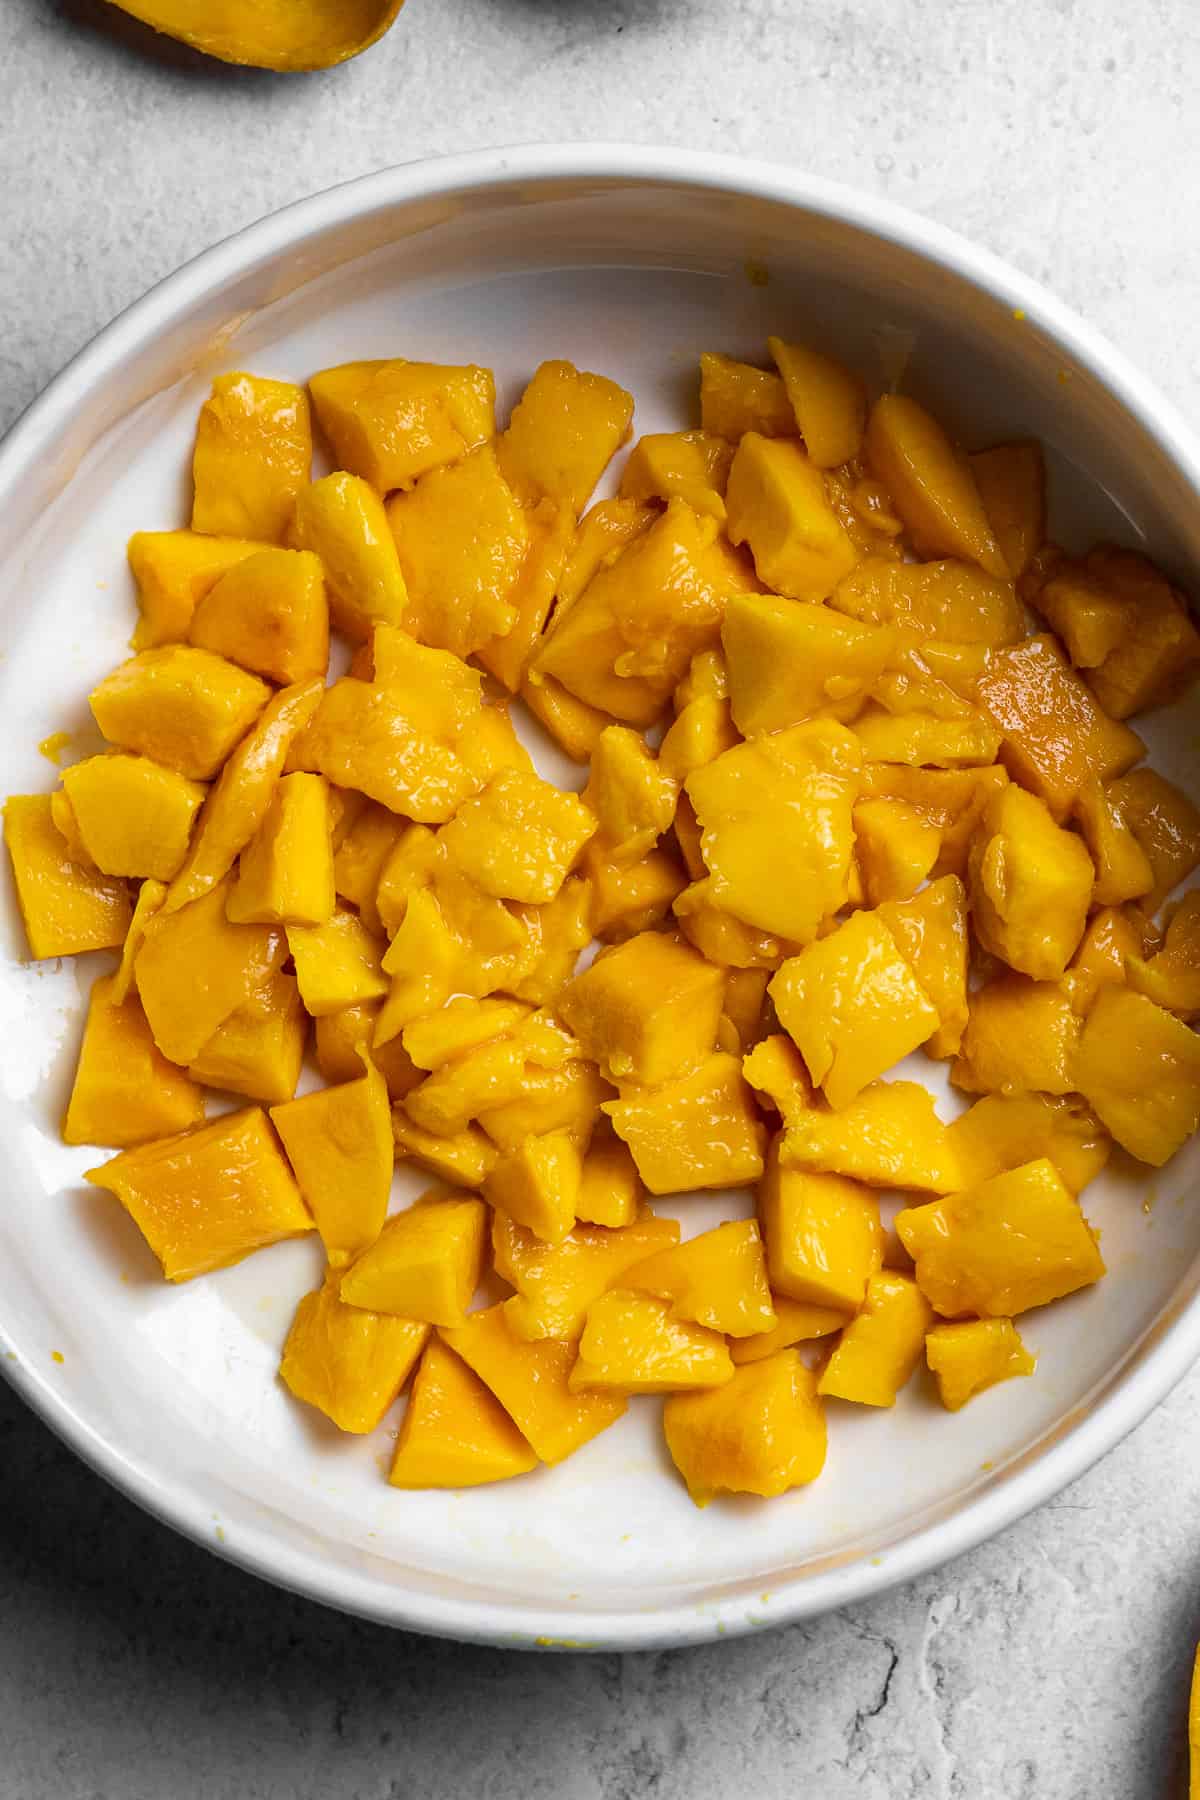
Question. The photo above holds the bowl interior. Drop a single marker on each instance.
(175, 1390)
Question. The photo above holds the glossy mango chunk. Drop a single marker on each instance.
(889, 1137)
(762, 1432)
(455, 1433)
(881, 1346)
(134, 816)
(360, 858)
(537, 1184)
(1165, 822)
(423, 963)
(461, 585)
(745, 1003)
(707, 678)
(252, 457)
(698, 1131)
(551, 529)
(426, 1262)
(925, 740)
(610, 1188)
(195, 967)
(797, 1322)
(778, 826)
(125, 1091)
(788, 661)
(65, 909)
(852, 1005)
(776, 1071)
(530, 1382)
(519, 838)
(631, 795)
(720, 937)
(463, 1160)
(688, 465)
(1030, 885)
(574, 725)
(340, 1040)
(258, 1049)
(777, 504)
(930, 930)
(268, 614)
(1011, 479)
(180, 706)
(1123, 870)
(285, 872)
(393, 421)
(635, 1344)
(337, 963)
(931, 484)
(339, 1142)
(239, 800)
(463, 1025)
(1138, 1067)
(173, 571)
(829, 402)
(151, 895)
(974, 1355)
(341, 520)
(556, 1283)
(564, 431)
(1056, 737)
(1158, 657)
(718, 1279)
(822, 1234)
(488, 743)
(896, 846)
(601, 535)
(646, 1010)
(1021, 1037)
(1090, 620)
(1113, 936)
(703, 730)
(1172, 977)
(1002, 1131)
(735, 398)
(947, 601)
(348, 1363)
(206, 1198)
(361, 737)
(1016, 1241)
(489, 1075)
(629, 897)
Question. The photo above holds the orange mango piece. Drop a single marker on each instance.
(537, 1185)
(889, 1137)
(180, 706)
(718, 1279)
(151, 895)
(789, 662)
(1002, 1131)
(259, 1048)
(125, 1091)
(564, 431)
(461, 585)
(173, 571)
(519, 838)
(455, 1433)
(550, 531)
(530, 1382)
(463, 1160)
(337, 964)
(635, 1344)
(735, 398)
(391, 422)
(574, 725)
(1159, 656)
(945, 604)
(252, 457)
(1123, 869)
(1172, 977)
(829, 402)
(362, 737)
(797, 1322)
(698, 1131)
(1011, 479)
(1030, 885)
(974, 1355)
(348, 1363)
(881, 1346)
(1138, 1067)
(65, 909)
(762, 1432)
(930, 930)
(340, 520)
(822, 1234)
(776, 503)
(268, 614)
(1113, 935)
(931, 484)
(285, 872)
(1165, 822)
(646, 1010)
(426, 1262)
(340, 1039)
(556, 1283)
(1021, 1037)
(610, 1188)
(134, 817)
(631, 794)
(339, 1143)
(628, 898)
(195, 967)
(688, 465)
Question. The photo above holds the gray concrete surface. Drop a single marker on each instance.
(1052, 1663)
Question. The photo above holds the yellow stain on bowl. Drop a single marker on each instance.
(57, 1356)
(1019, 314)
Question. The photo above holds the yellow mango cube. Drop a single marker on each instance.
(631, 795)
(574, 725)
(718, 1279)
(463, 1025)
(1002, 1131)
(258, 1049)
(464, 1160)
(253, 454)
(151, 895)
(1138, 1067)
(1030, 885)
(822, 1234)
(890, 1137)
(1011, 479)
(361, 737)
(125, 1091)
(897, 848)
(601, 534)
(629, 897)
(1022, 1036)
(452, 1096)
(455, 1433)
(789, 662)
(348, 1363)
(945, 604)
(698, 1131)
(134, 816)
(1016, 1241)
(635, 1344)
(777, 504)
(341, 520)
(393, 421)
(339, 1143)
(829, 402)
(931, 484)
(530, 1382)
(1123, 870)
(610, 1188)
(925, 740)
(173, 571)
(745, 999)
(65, 909)
(1090, 620)
(337, 964)
(1113, 936)
(426, 1262)
(778, 831)
(1160, 653)
(489, 743)
(564, 431)
(762, 1432)
(359, 860)
(646, 1010)
(180, 706)
(1165, 822)
(205, 1198)
(853, 1006)
(703, 730)
(974, 1355)
(1171, 978)
(537, 1184)
(519, 838)
(688, 465)
(735, 398)
(551, 528)
(797, 1322)
(285, 873)
(461, 585)
(195, 967)
(268, 614)
(881, 1346)
(342, 1039)
(556, 1283)
(721, 938)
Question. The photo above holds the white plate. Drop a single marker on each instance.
(629, 262)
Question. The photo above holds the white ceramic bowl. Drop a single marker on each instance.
(631, 262)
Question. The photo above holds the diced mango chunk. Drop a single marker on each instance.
(252, 457)
(976, 1354)
(1138, 1067)
(341, 1038)
(464, 1160)
(1011, 479)
(647, 1010)
(173, 571)
(690, 465)
(1022, 1036)
(931, 484)
(537, 1184)
(455, 1433)
(1159, 655)
(930, 930)
(797, 1322)
(1030, 885)
(564, 431)
(65, 909)
(285, 872)
(337, 963)
(822, 1233)
(631, 795)
(461, 585)
(1172, 977)
(630, 897)
(1123, 869)
(339, 1143)
(530, 1382)
(268, 614)
(881, 1346)
(348, 1363)
(635, 1344)
(425, 1263)
(572, 723)
(258, 1049)
(1114, 934)
(1002, 1131)
(1165, 822)
(718, 1279)
(735, 398)
(519, 838)
(393, 421)
(699, 1131)
(896, 846)
(195, 967)
(777, 504)
(789, 661)
(890, 1137)
(610, 1188)
(762, 1432)
(362, 737)
(134, 816)
(341, 521)
(829, 401)
(556, 1283)
(180, 706)
(125, 1091)
(945, 603)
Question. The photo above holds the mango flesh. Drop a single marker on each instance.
(761, 1432)
(180, 706)
(777, 504)
(556, 1283)
(822, 1234)
(125, 1091)
(1138, 1067)
(972, 1356)
(564, 431)
(634, 1343)
(268, 614)
(647, 1010)
(718, 1279)
(314, 35)
(258, 1049)
(931, 485)
(881, 1346)
(393, 421)
(1030, 885)
(425, 1263)
(65, 910)
(340, 524)
(339, 1143)
(699, 1131)
(828, 400)
(252, 457)
(134, 816)
(455, 1433)
(349, 1363)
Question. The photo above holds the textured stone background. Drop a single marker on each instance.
(1052, 1663)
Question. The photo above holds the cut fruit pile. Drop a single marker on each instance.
(842, 805)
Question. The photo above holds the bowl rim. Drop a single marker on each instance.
(1166, 1351)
